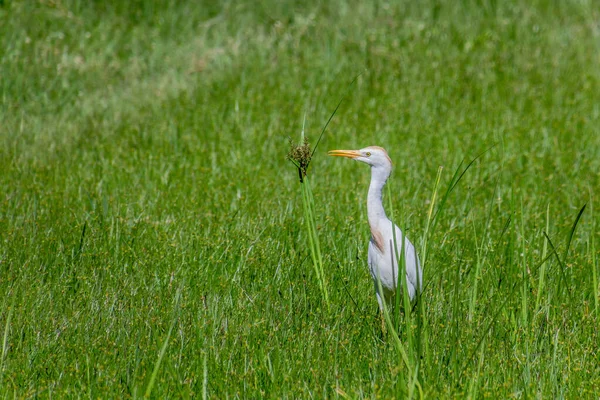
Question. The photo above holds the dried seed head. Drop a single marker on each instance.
(300, 155)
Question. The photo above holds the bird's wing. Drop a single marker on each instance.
(414, 272)
(381, 268)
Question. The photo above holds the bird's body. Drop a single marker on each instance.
(383, 255)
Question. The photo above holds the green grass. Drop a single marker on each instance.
(152, 237)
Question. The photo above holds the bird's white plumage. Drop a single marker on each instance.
(382, 266)
(382, 257)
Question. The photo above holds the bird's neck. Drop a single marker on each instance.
(375, 211)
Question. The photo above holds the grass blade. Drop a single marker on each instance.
(542, 273)
(163, 348)
(5, 338)
(454, 182)
(429, 216)
(560, 264)
(334, 112)
(487, 330)
(595, 287)
(572, 232)
(205, 378)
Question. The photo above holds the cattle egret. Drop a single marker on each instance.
(382, 259)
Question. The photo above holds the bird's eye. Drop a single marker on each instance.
(368, 154)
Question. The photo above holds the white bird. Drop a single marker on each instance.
(382, 259)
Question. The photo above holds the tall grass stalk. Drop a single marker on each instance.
(406, 384)
(414, 338)
(301, 155)
(481, 256)
(456, 178)
(402, 355)
(205, 377)
(595, 288)
(474, 385)
(163, 349)
(524, 273)
(422, 324)
(402, 283)
(562, 263)
(6, 333)
(424, 242)
(542, 274)
(313, 237)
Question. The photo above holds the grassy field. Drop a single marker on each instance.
(152, 237)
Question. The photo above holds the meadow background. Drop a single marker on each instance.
(152, 239)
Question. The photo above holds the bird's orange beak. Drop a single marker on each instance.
(344, 153)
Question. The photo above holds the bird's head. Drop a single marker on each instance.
(375, 156)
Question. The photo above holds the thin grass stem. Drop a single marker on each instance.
(542, 274)
(163, 348)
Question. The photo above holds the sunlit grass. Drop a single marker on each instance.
(152, 235)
